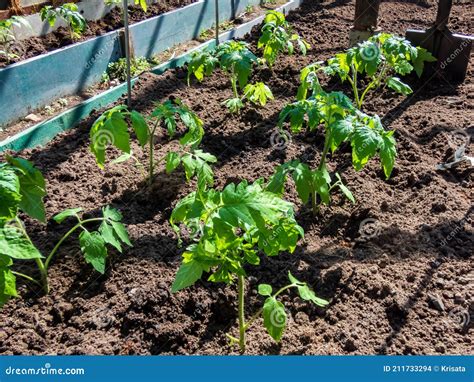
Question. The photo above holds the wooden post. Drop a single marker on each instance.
(365, 20)
(127, 51)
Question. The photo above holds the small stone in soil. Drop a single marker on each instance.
(32, 118)
(436, 302)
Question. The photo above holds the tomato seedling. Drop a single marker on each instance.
(230, 228)
(381, 59)
(22, 188)
(111, 128)
(8, 35)
(277, 37)
(142, 3)
(236, 59)
(68, 12)
(118, 70)
(342, 122)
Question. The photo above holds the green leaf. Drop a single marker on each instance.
(9, 193)
(111, 214)
(14, 244)
(258, 93)
(321, 184)
(7, 281)
(187, 275)
(189, 164)
(140, 127)
(234, 104)
(94, 250)
(109, 129)
(397, 85)
(419, 62)
(172, 161)
(59, 218)
(274, 318)
(109, 235)
(340, 130)
(347, 193)
(205, 156)
(265, 290)
(388, 153)
(365, 141)
(121, 232)
(32, 188)
(306, 293)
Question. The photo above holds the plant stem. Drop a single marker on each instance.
(241, 286)
(353, 82)
(68, 233)
(44, 275)
(151, 165)
(26, 277)
(233, 81)
(151, 159)
(39, 262)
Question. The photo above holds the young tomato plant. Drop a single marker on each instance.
(111, 128)
(277, 37)
(381, 59)
(8, 36)
(22, 188)
(69, 12)
(142, 3)
(231, 227)
(342, 122)
(236, 59)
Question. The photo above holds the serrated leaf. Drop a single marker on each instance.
(364, 145)
(109, 235)
(187, 275)
(396, 84)
(121, 232)
(189, 164)
(140, 127)
(94, 250)
(32, 188)
(59, 218)
(307, 293)
(172, 161)
(340, 130)
(346, 192)
(9, 193)
(111, 214)
(274, 318)
(388, 153)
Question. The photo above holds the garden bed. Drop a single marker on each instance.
(381, 289)
(35, 46)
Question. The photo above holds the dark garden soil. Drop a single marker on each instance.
(60, 38)
(405, 287)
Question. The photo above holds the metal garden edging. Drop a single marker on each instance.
(43, 132)
(36, 82)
